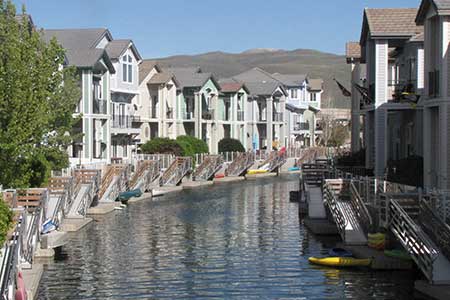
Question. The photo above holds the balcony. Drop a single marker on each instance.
(100, 106)
(301, 126)
(189, 115)
(123, 124)
(262, 117)
(169, 113)
(240, 116)
(136, 119)
(208, 114)
(399, 91)
(153, 112)
(277, 117)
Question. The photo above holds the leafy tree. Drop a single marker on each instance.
(6, 219)
(193, 145)
(163, 146)
(37, 99)
(230, 145)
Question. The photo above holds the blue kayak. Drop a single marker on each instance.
(294, 169)
(340, 252)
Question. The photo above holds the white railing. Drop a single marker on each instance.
(165, 160)
(208, 168)
(175, 173)
(333, 206)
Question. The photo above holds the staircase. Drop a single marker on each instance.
(240, 164)
(146, 173)
(179, 168)
(60, 197)
(275, 160)
(87, 183)
(114, 181)
(424, 235)
(345, 210)
(208, 168)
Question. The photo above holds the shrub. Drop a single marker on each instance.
(230, 145)
(162, 145)
(193, 144)
(6, 218)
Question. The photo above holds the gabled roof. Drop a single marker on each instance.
(79, 45)
(192, 77)
(232, 87)
(255, 75)
(315, 84)
(442, 7)
(389, 23)
(116, 48)
(145, 67)
(352, 50)
(290, 80)
(77, 38)
(163, 78)
(260, 82)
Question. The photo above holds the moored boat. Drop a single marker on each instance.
(340, 261)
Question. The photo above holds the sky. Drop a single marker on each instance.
(161, 28)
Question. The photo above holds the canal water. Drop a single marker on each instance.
(232, 241)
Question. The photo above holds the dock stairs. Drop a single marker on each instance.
(240, 165)
(275, 160)
(208, 168)
(146, 173)
(114, 181)
(179, 168)
(86, 187)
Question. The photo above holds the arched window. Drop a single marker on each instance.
(127, 68)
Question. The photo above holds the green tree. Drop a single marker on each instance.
(230, 145)
(37, 99)
(193, 145)
(162, 146)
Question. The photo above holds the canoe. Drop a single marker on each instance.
(253, 172)
(340, 261)
(400, 254)
(339, 252)
(294, 169)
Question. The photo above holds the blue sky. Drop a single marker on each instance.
(170, 27)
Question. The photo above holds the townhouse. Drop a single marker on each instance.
(435, 17)
(85, 49)
(392, 51)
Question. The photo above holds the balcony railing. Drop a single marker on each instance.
(277, 117)
(188, 115)
(154, 113)
(240, 115)
(122, 121)
(301, 126)
(262, 117)
(169, 114)
(433, 83)
(208, 114)
(136, 119)
(100, 106)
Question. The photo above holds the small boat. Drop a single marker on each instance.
(259, 171)
(220, 175)
(340, 261)
(395, 253)
(339, 252)
(293, 169)
(125, 196)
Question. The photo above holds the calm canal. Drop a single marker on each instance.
(238, 240)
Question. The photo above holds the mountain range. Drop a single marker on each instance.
(314, 63)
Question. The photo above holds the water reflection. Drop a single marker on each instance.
(240, 241)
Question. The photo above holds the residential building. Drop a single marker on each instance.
(85, 49)
(435, 17)
(391, 49)
(125, 123)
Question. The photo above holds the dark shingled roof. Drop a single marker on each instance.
(290, 79)
(232, 87)
(442, 7)
(353, 50)
(115, 48)
(390, 22)
(191, 76)
(315, 84)
(162, 78)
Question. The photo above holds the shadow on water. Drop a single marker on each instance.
(239, 240)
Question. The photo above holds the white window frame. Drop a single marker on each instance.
(127, 69)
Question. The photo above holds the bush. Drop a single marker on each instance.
(196, 145)
(230, 145)
(163, 146)
(6, 218)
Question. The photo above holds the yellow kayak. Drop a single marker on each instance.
(340, 261)
(252, 172)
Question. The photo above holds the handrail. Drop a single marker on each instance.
(331, 201)
(274, 160)
(208, 168)
(175, 173)
(89, 177)
(412, 238)
(240, 164)
(365, 219)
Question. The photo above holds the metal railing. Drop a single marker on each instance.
(175, 173)
(164, 160)
(277, 117)
(92, 179)
(240, 116)
(301, 126)
(206, 170)
(274, 161)
(261, 117)
(122, 121)
(100, 106)
(189, 115)
(114, 181)
(240, 164)
(333, 206)
(358, 205)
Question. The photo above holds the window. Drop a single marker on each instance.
(127, 69)
(313, 97)
(294, 94)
